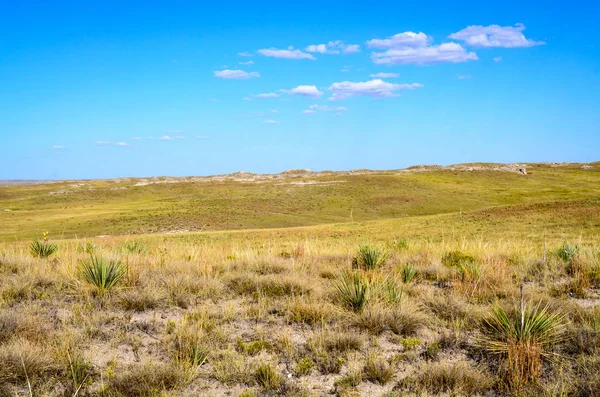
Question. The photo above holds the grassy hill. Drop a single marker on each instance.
(247, 201)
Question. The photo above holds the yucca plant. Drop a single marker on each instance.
(134, 247)
(352, 290)
(370, 257)
(409, 273)
(102, 273)
(42, 249)
(522, 337)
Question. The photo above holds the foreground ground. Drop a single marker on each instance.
(279, 312)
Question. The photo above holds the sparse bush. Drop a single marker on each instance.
(42, 249)
(311, 313)
(457, 259)
(411, 343)
(102, 273)
(401, 321)
(378, 370)
(522, 339)
(352, 290)
(370, 257)
(140, 299)
(568, 252)
(251, 348)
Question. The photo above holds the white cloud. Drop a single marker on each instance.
(373, 88)
(333, 47)
(345, 69)
(312, 109)
(111, 143)
(202, 137)
(465, 77)
(248, 99)
(305, 90)
(235, 74)
(447, 52)
(401, 40)
(290, 53)
(384, 75)
(495, 36)
(247, 63)
(271, 122)
(58, 147)
(137, 138)
(174, 131)
(171, 138)
(244, 54)
(274, 111)
(267, 95)
(498, 59)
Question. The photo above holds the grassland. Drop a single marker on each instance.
(267, 293)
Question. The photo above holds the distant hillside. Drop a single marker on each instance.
(293, 198)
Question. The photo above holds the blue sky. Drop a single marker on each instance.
(101, 89)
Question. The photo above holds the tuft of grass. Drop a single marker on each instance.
(451, 378)
(352, 290)
(267, 377)
(378, 370)
(304, 366)
(370, 257)
(522, 338)
(102, 273)
(457, 259)
(409, 273)
(145, 380)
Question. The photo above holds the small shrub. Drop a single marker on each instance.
(411, 343)
(568, 252)
(102, 273)
(329, 364)
(251, 348)
(378, 370)
(267, 377)
(140, 300)
(230, 367)
(352, 290)
(370, 257)
(400, 244)
(42, 249)
(304, 366)
(409, 273)
(457, 259)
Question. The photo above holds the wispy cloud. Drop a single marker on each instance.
(495, 36)
(174, 131)
(202, 137)
(384, 75)
(247, 63)
(290, 53)
(312, 109)
(245, 54)
(271, 122)
(305, 90)
(111, 143)
(333, 47)
(137, 138)
(274, 111)
(235, 74)
(463, 77)
(498, 59)
(248, 99)
(58, 147)
(267, 95)
(374, 88)
(171, 138)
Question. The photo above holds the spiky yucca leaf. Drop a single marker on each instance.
(352, 290)
(102, 273)
(42, 249)
(370, 257)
